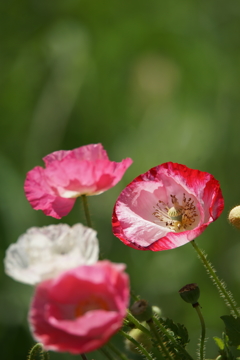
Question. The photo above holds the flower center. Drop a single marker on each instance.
(92, 303)
(177, 217)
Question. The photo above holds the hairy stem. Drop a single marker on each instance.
(224, 293)
(172, 339)
(159, 340)
(36, 350)
(138, 325)
(203, 333)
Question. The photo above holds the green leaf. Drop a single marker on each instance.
(232, 329)
(219, 342)
(179, 331)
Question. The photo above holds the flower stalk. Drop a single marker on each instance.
(221, 286)
(106, 353)
(172, 339)
(203, 333)
(86, 211)
(133, 320)
(36, 350)
(116, 351)
(164, 349)
(83, 356)
(138, 325)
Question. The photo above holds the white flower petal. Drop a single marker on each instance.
(43, 253)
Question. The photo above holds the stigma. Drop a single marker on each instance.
(176, 217)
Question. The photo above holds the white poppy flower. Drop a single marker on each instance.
(42, 253)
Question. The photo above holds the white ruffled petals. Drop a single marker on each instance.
(43, 253)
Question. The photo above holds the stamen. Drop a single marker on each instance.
(178, 217)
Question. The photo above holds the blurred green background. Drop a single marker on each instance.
(152, 80)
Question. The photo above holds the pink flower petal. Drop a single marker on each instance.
(134, 220)
(42, 197)
(54, 314)
(69, 174)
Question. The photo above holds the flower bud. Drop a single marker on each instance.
(234, 216)
(141, 310)
(156, 310)
(141, 338)
(190, 293)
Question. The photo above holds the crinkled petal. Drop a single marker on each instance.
(54, 320)
(134, 221)
(43, 253)
(90, 152)
(69, 174)
(42, 197)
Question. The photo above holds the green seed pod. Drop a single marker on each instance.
(141, 310)
(190, 293)
(234, 217)
(141, 338)
(175, 213)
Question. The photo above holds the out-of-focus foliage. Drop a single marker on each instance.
(153, 80)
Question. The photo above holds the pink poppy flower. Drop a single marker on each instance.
(69, 174)
(166, 207)
(79, 310)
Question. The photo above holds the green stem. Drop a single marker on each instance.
(172, 339)
(46, 355)
(107, 354)
(224, 293)
(37, 349)
(86, 211)
(159, 340)
(140, 348)
(203, 334)
(116, 351)
(83, 356)
(138, 325)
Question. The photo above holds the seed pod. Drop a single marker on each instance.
(190, 293)
(234, 216)
(141, 310)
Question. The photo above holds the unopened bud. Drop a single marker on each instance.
(190, 293)
(234, 216)
(156, 310)
(141, 310)
(141, 338)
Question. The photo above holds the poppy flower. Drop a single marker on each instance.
(166, 207)
(69, 174)
(81, 309)
(44, 252)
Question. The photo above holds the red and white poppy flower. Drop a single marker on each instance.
(86, 170)
(166, 207)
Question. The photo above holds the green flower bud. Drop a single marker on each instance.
(234, 216)
(141, 310)
(190, 293)
(141, 338)
(156, 310)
